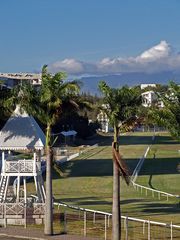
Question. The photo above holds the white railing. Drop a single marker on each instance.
(141, 187)
(139, 165)
(145, 223)
(21, 211)
(19, 166)
(72, 156)
(69, 155)
(110, 215)
(159, 193)
(13, 208)
(39, 208)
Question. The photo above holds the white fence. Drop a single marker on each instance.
(153, 191)
(146, 189)
(142, 229)
(139, 165)
(67, 155)
(21, 213)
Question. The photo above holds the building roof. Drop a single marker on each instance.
(21, 132)
(145, 85)
(20, 76)
(69, 133)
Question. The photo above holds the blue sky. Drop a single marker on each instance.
(37, 32)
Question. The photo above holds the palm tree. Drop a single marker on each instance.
(169, 115)
(4, 95)
(120, 106)
(47, 104)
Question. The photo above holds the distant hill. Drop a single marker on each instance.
(90, 84)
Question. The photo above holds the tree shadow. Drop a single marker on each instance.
(160, 208)
(91, 168)
(160, 166)
(84, 201)
(150, 182)
(137, 140)
(130, 201)
(104, 167)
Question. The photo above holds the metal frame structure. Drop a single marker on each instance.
(21, 169)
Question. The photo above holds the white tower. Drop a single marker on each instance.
(20, 133)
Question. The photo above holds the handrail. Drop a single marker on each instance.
(154, 190)
(137, 170)
(110, 214)
(139, 165)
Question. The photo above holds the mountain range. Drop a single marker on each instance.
(90, 83)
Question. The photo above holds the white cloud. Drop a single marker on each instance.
(158, 58)
(162, 50)
(67, 65)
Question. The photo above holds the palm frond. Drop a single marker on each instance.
(121, 165)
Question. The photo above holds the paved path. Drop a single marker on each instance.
(34, 234)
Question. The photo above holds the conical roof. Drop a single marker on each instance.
(21, 132)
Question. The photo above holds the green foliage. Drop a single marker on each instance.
(93, 103)
(169, 115)
(4, 112)
(48, 102)
(120, 104)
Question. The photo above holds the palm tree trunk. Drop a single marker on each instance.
(48, 230)
(116, 212)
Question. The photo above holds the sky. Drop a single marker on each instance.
(89, 36)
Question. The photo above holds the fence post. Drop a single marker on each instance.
(144, 227)
(127, 228)
(79, 214)
(171, 231)
(94, 217)
(5, 221)
(105, 228)
(85, 223)
(108, 220)
(159, 196)
(124, 223)
(149, 230)
(152, 193)
(25, 216)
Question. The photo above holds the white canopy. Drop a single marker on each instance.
(21, 132)
(69, 133)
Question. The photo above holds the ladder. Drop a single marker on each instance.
(3, 187)
(42, 186)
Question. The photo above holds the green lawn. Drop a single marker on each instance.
(161, 168)
(87, 180)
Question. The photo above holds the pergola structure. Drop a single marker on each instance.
(21, 133)
(70, 133)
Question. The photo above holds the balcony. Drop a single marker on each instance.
(22, 167)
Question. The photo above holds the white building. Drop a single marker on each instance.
(143, 86)
(104, 121)
(149, 98)
(12, 79)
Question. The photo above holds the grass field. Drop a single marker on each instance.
(87, 180)
(161, 169)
